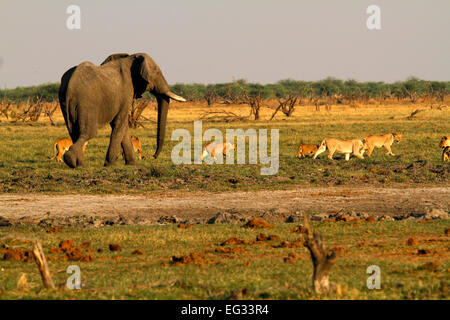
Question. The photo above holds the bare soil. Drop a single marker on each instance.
(199, 207)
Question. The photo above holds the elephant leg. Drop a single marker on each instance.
(119, 128)
(127, 149)
(74, 157)
(80, 132)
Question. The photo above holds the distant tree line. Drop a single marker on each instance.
(241, 91)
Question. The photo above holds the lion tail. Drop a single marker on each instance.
(54, 151)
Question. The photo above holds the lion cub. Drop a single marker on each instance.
(137, 147)
(215, 148)
(61, 146)
(306, 149)
(355, 147)
(378, 141)
(445, 145)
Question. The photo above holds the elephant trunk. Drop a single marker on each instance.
(163, 108)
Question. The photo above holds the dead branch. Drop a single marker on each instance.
(135, 115)
(322, 258)
(222, 115)
(39, 258)
(49, 110)
(254, 101)
(32, 112)
(4, 108)
(414, 113)
(287, 106)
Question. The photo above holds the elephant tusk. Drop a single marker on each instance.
(173, 96)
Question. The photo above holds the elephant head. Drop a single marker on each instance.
(147, 76)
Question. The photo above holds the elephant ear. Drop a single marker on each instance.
(115, 56)
(147, 75)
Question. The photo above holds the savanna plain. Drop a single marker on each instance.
(183, 259)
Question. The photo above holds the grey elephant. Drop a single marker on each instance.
(92, 96)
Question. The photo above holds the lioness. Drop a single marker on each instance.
(347, 147)
(445, 145)
(217, 148)
(61, 146)
(446, 154)
(385, 140)
(306, 149)
(445, 142)
(137, 146)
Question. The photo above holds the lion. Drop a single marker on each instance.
(217, 148)
(137, 146)
(446, 154)
(355, 147)
(378, 141)
(445, 142)
(61, 146)
(445, 145)
(306, 149)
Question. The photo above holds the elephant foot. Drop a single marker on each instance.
(132, 163)
(109, 163)
(72, 160)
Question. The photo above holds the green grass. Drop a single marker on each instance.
(404, 274)
(25, 152)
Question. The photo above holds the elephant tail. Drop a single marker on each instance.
(63, 99)
(69, 121)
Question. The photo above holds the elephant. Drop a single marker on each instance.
(92, 96)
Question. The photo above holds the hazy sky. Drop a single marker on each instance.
(211, 41)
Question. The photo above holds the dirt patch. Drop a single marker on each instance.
(235, 250)
(291, 244)
(115, 247)
(412, 241)
(185, 226)
(191, 259)
(13, 254)
(66, 245)
(137, 252)
(54, 230)
(338, 250)
(86, 244)
(343, 218)
(71, 253)
(258, 224)
(239, 294)
(423, 252)
(234, 241)
(299, 229)
(224, 207)
(264, 237)
(292, 257)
